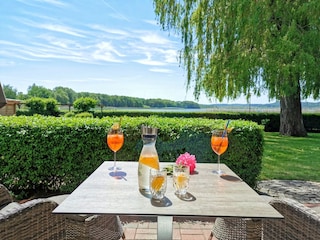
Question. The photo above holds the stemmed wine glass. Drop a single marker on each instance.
(219, 144)
(115, 141)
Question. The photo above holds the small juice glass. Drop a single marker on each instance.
(158, 183)
(181, 175)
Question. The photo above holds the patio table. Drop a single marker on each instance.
(210, 195)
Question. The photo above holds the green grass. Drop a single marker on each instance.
(290, 158)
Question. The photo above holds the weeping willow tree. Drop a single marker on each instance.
(249, 47)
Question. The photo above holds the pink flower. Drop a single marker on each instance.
(188, 160)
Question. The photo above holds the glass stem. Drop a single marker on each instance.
(219, 170)
(114, 161)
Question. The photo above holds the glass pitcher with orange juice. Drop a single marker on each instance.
(148, 158)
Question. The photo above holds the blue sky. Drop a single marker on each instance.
(113, 47)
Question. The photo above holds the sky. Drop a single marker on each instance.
(113, 47)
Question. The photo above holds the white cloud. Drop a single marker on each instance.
(56, 3)
(60, 42)
(171, 55)
(105, 51)
(148, 60)
(60, 28)
(101, 79)
(161, 70)
(109, 30)
(154, 38)
(152, 22)
(116, 14)
(53, 2)
(4, 42)
(53, 27)
(6, 63)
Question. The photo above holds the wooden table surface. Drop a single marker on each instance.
(212, 195)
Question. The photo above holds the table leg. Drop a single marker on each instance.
(165, 227)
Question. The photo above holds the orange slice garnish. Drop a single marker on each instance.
(157, 183)
(115, 126)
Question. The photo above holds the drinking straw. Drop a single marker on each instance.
(226, 128)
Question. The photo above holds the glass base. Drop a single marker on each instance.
(219, 172)
(118, 175)
(114, 168)
(145, 192)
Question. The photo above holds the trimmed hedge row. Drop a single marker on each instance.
(56, 154)
(270, 121)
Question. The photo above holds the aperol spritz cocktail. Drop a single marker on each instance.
(115, 140)
(219, 144)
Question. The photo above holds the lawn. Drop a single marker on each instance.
(291, 157)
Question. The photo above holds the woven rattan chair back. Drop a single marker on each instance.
(300, 222)
(5, 197)
(94, 227)
(31, 220)
(236, 229)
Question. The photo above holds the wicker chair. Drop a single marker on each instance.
(5, 197)
(34, 220)
(93, 227)
(236, 229)
(30, 220)
(300, 222)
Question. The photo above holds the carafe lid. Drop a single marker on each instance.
(147, 130)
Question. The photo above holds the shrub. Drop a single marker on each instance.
(42, 106)
(51, 107)
(84, 104)
(84, 115)
(69, 114)
(36, 105)
(48, 153)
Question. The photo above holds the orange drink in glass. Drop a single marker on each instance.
(219, 144)
(115, 140)
(181, 175)
(158, 183)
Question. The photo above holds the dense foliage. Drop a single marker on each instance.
(84, 104)
(270, 121)
(48, 153)
(67, 96)
(43, 106)
(233, 48)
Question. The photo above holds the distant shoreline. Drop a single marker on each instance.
(272, 107)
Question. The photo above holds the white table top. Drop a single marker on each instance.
(214, 196)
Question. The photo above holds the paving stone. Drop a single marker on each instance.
(301, 191)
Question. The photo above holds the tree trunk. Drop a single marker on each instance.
(291, 120)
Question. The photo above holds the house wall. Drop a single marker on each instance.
(10, 108)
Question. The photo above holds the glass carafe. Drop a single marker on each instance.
(148, 158)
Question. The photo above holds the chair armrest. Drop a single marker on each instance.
(5, 196)
(31, 220)
(300, 222)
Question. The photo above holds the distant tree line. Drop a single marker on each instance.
(67, 96)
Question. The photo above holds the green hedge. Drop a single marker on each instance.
(47, 153)
(270, 121)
